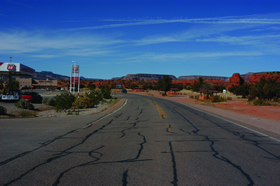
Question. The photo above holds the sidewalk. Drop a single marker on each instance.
(264, 125)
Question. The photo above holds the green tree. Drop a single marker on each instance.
(91, 86)
(15, 84)
(63, 101)
(243, 90)
(164, 84)
(106, 92)
(198, 84)
(207, 89)
(133, 86)
(266, 89)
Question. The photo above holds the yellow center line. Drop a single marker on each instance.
(160, 110)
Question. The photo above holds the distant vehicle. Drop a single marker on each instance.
(25, 87)
(12, 95)
(124, 91)
(62, 89)
(32, 97)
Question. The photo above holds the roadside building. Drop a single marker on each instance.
(36, 84)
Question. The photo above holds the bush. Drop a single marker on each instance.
(106, 92)
(95, 96)
(218, 99)
(50, 102)
(266, 89)
(44, 101)
(26, 114)
(25, 104)
(260, 102)
(63, 101)
(3, 110)
(84, 102)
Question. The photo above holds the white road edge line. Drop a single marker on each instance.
(231, 122)
(88, 125)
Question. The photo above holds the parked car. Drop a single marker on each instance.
(124, 91)
(32, 97)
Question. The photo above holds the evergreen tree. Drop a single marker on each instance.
(164, 84)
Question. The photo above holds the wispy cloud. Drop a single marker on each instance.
(192, 34)
(215, 20)
(70, 44)
(181, 57)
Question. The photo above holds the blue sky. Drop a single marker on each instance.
(113, 38)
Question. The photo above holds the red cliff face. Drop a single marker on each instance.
(235, 80)
(257, 77)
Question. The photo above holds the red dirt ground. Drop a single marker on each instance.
(239, 106)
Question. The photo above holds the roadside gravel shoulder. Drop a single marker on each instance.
(48, 111)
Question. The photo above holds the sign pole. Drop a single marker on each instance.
(76, 69)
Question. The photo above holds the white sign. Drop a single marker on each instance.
(16, 68)
(75, 68)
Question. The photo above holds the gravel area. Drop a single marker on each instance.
(48, 111)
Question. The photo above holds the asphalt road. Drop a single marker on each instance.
(149, 141)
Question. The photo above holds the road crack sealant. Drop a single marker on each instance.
(62, 153)
(211, 145)
(125, 176)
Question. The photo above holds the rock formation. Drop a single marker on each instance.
(257, 77)
(204, 77)
(235, 80)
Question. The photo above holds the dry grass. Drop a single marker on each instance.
(188, 92)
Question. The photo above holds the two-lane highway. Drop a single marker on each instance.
(149, 141)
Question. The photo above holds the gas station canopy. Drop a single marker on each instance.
(16, 69)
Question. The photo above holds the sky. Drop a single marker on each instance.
(113, 38)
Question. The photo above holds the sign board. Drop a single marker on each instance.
(75, 78)
(16, 68)
(75, 68)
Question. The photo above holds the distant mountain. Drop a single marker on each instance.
(43, 75)
(204, 77)
(144, 77)
(89, 79)
(247, 76)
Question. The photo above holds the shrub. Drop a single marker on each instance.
(26, 114)
(95, 95)
(260, 102)
(50, 101)
(63, 101)
(106, 92)
(218, 99)
(25, 104)
(251, 98)
(3, 110)
(84, 102)
(44, 101)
